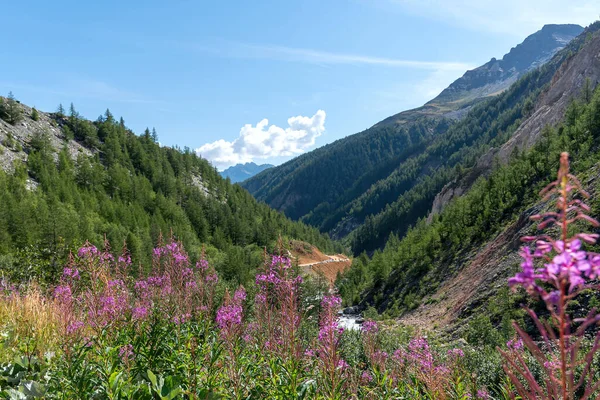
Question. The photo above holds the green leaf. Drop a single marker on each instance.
(15, 395)
(33, 388)
(152, 378)
(114, 379)
(172, 394)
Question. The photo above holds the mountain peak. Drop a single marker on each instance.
(493, 77)
(241, 172)
(497, 75)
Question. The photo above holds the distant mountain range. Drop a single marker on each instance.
(241, 172)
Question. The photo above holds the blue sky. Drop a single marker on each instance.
(210, 74)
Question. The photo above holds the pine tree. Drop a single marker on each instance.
(34, 114)
(10, 111)
(60, 111)
(587, 91)
(154, 135)
(108, 117)
(72, 113)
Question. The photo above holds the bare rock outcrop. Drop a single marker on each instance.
(15, 139)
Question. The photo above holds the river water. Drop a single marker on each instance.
(349, 322)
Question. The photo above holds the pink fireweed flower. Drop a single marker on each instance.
(378, 358)
(260, 298)
(399, 356)
(282, 261)
(329, 330)
(63, 294)
(370, 326)
(570, 264)
(420, 354)
(456, 353)
(229, 315)
(239, 296)
(202, 265)
(72, 273)
(125, 259)
(483, 395)
(88, 250)
(441, 370)
(106, 257)
(342, 364)
(211, 278)
(366, 377)
(331, 302)
(557, 271)
(139, 313)
(181, 319)
(330, 361)
(126, 353)
(74, 327)
(515, 344)
(187, 273)
(191, 285)
(116, 283)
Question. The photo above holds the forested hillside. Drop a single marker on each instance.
(380, 181)
(479, 229)
(398, 201)
(67, 180)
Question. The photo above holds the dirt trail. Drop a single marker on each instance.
(312, 261)
(330, 267)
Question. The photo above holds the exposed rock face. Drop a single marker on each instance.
(199, 183)
(449, 192)
(497, 75)
(550, 108)
(15, 139)
(15, 143)
(494, 76)
(482, 273)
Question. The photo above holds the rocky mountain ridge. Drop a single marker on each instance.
(241, 172)
(577, 74)
(497, 75)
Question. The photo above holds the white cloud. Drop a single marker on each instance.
(514, 17)
(264, 141)
(323, 57)
(311, 56)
